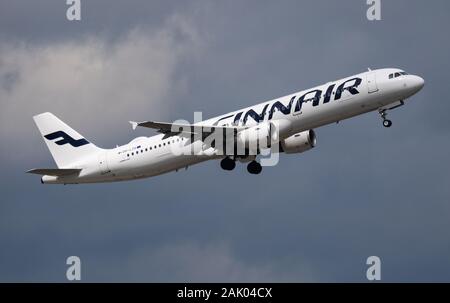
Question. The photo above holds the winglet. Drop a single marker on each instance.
(133, 124)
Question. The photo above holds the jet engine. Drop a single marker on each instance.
(299, 142)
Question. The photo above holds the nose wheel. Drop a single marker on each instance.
(386, 122)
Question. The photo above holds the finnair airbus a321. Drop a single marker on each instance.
(286, 123)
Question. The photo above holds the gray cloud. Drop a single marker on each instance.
(132, 75)
(193, 262)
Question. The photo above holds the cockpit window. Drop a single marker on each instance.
(397, 74)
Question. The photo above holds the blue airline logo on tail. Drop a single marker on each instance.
(66, 139)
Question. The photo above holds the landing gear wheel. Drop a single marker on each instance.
(254, 168)
(227, 164)
(387, 123)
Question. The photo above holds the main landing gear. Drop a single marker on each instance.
(227, 163)
(253, 167)
(386, 122)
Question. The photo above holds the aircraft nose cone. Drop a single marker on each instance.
(417, 83)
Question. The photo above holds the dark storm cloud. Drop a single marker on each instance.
(317, 216)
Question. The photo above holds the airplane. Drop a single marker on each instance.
(287, 123)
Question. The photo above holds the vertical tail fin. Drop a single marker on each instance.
(65, 144)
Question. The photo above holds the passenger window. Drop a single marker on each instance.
(160, 145)
(132, 154)
(128, 155)
(146, 149)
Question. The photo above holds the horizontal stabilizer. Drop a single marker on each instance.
(54, 171)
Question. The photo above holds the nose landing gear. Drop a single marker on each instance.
(383, 112)
(386, 122)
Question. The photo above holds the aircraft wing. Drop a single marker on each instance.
(54, 171)
(188, 129)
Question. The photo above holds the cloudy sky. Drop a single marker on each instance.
(363, 191)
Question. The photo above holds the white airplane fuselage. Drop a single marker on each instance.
(303, 111)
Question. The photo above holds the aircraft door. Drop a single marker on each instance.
(103, 163)
(372, 83)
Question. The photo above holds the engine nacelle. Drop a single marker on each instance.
(299, 143)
